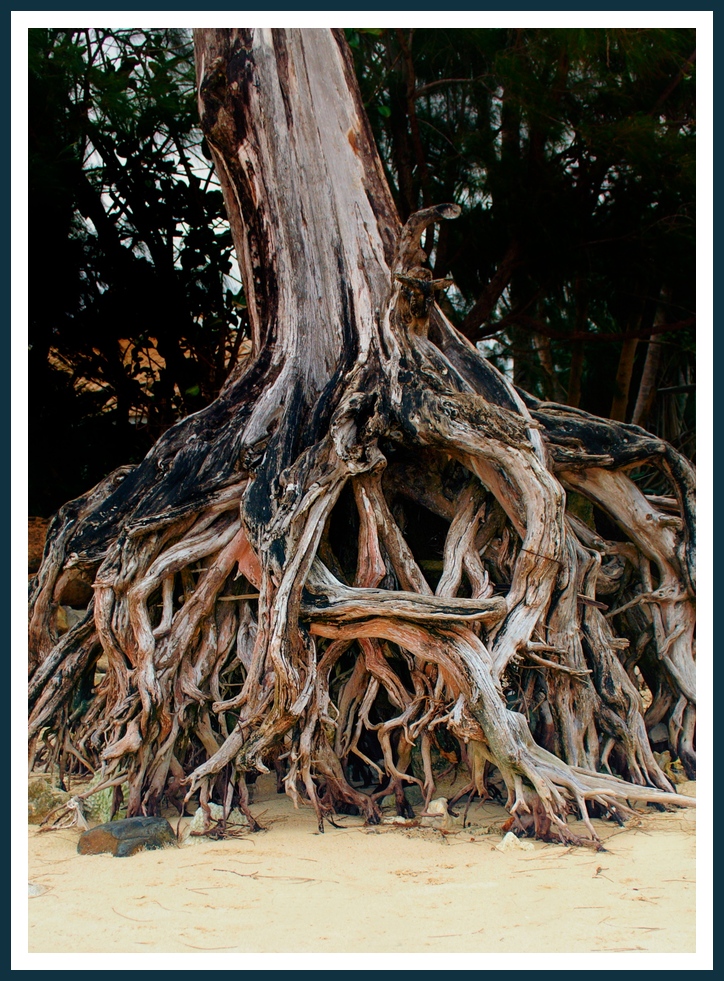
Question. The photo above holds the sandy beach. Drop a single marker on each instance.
(393, 889)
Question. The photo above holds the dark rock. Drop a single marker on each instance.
(659, 733)
(412, 793)
(126, 837)
(76, 591)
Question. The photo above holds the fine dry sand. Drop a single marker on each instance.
(390, 889)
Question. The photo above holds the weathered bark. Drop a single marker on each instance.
(258, 584)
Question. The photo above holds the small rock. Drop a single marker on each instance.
(438, 806)
(74, 590)
(126, 837)
(66, 618)
(437, 815)
(412, 793)
(35, 890)
(659, 734)
(197, 825)
(673, 769)
(512, 843)
(43, 798)
(433, 822)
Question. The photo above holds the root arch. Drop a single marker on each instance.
(260, 592)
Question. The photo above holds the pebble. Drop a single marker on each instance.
(512, 843)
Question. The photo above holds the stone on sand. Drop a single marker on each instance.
(194, 831)
(126, 837)
(511, 843)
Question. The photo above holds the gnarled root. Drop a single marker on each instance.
(343, 584)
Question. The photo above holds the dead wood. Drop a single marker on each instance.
(264, 582)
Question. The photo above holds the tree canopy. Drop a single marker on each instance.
(137, 321)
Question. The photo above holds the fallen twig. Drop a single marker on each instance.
(131, 918)
(288, 878)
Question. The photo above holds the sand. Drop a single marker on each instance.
(355, 890)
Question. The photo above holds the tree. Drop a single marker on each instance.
(562, 281)
(269, 572)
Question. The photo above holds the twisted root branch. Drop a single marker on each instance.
(295, 610)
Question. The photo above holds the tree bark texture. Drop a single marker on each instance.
(262, 581)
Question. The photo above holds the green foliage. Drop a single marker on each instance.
(135, 319)
(572, 154)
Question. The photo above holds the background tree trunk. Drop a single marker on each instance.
(622, 384)
(260, 579)
(650, 374)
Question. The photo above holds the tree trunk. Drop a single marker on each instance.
(573, 395)
(650, 373)
(649, 380)
(575, 374)
(259, 579)
(622, 383)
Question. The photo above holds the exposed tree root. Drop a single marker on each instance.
(262, 587)
(202, 675)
